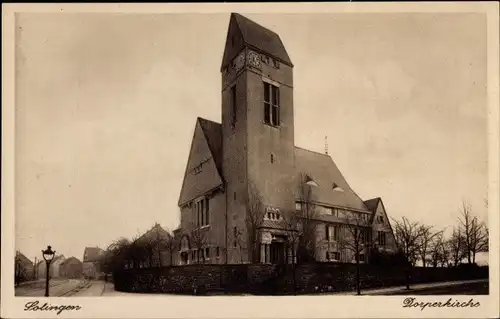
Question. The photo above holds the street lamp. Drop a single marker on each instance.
(48, 255)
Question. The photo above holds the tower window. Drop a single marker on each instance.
(272, 158)
(271, 104)
(233, 105)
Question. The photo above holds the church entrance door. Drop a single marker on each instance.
(277, 253)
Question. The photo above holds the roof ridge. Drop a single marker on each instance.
(315, 152)
(207, 120)
(239, 15)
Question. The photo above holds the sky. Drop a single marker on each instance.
(106, 106)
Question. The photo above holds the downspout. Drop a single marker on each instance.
(226, 248)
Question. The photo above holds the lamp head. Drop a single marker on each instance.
(48, 254)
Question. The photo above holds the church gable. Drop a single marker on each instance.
(380, 220)
(234, 42)
(202, 174)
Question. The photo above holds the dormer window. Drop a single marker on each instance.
(312, 183)
(272, 214)
(309, 181)
(337, 188)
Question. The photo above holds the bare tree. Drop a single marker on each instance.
(167, 244)
(438, 253)
(408, 235)
(479, 238)
(456, 246)
(253, 220)
(294, 231)
(199, 241)
(307, 218)
(21, 272)
(354, 239)
(425, 243)
(116, 255)
(475, 233)
(239, 242)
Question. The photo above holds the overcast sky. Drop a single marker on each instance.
(106, 106)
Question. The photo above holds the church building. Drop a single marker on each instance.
(249, 194)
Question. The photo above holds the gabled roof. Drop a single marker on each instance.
(325, 173)
(371, 204)
(58, 258)
(156, 230)
(213, 134)
(276, 224)
(70, 259)
(23, 259)
(256, 36)
(204, 165)
(91, 254)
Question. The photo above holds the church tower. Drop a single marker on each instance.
(257, 126)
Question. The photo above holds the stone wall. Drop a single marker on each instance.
(279, 279)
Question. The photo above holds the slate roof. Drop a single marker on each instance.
(154, 231)
(213, 134)
(318, 167)
(58, 257)
(91, 254)
(276, 224)
(205, 145)
(371, 204)
(23, 259)
(260, 38)
(325, 173)
(70, 259)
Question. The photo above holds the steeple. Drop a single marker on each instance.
(244, 32)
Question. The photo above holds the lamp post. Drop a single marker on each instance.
(48, 255)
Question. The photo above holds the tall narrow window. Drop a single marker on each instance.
(233, 105)
(197, 209)
(327, 232)
(271, 104)
(381, 238)
(336, 232)
(207, 212)
(201, 213)
(276, 99)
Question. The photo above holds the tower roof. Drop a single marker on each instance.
(255, 36)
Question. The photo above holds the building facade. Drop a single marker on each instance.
(24, 268)
(249, 194)
(71, 268)
(92, 262)
(154, 248)
(54, 270)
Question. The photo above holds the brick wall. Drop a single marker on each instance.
(279, 279)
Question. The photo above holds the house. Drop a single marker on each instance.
(23, 267)
(246, 180)
(155, 248)
(71, 268)
(92, 262)
(54, 269)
